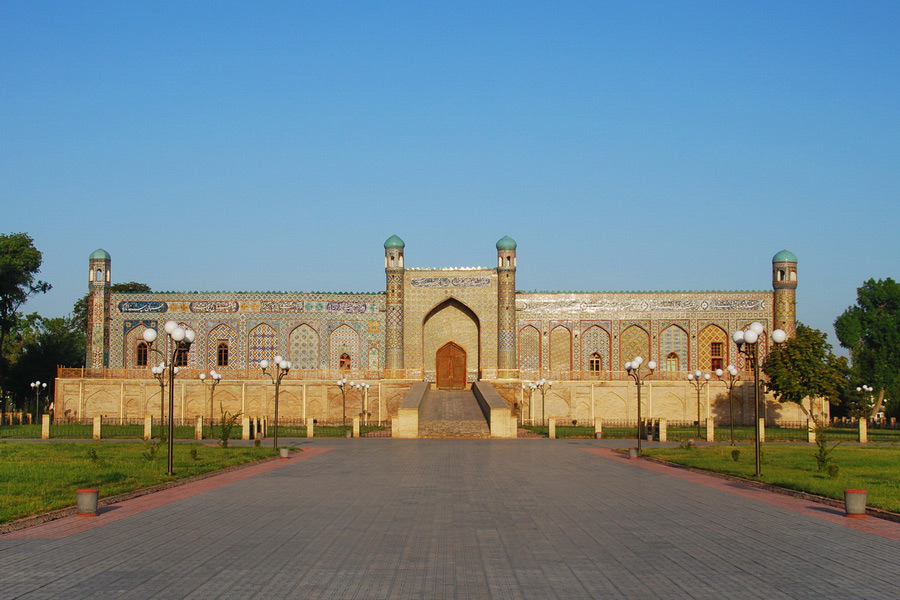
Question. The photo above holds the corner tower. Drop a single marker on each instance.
(97, 355)
(507, 364)
(393, 339)
(784, 282)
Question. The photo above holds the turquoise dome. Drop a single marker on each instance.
(99, 254)
(394, 242)
(506, 243)
(784, 256)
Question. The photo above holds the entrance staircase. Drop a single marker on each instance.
(451, 414)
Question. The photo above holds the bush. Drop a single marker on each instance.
(735, 455)
(229, 422)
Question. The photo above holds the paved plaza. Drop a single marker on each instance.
(375, 518)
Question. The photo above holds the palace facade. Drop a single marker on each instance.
(449, 326)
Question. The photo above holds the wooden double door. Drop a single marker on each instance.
(450, 364)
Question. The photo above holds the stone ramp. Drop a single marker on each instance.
(452, 413)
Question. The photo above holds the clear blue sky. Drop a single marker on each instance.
(625, 146)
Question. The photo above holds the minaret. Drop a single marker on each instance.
(507, 364)
(98, 310)
(393, 339)
(784, 282)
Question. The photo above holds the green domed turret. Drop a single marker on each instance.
(394, 242)
(506, 243)
(99, 254)
(784, 256)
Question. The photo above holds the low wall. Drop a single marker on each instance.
(495, 409)
(406, 425)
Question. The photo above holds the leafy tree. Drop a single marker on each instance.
(871, 331)
(804, 366)
(20, 261)
(56, 343)
(80, 310)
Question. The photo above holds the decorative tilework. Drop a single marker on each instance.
(529, 349)
(635, 341)
(304, 347)
(673, 339)
(342, 340)
(707, 336)
(595, 339)
(560, 349)
(216, 335)
(373, 358)
(263, 344)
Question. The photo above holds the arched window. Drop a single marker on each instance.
(181, 355)
(672, 362)
(595, 361)
(222, 354)
(345, 362)
(142, 354)
(99, 275)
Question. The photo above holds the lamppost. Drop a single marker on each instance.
(542, 385)
(699, 380)
(866, 391)
(633, 368)
(215, 378)
(733, 377)
(747, 344)
(37, 386)
(282, 367)
(363, 389)
(181, 339)
(159, 372)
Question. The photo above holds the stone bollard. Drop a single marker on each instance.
(855, 503)
(98, 422)
(762, 430)
(632, 453)
(148, 427)
(598, 428)
(198, 429)
(285, 453)
(356, 427)
(45, 427)
(663, 430)
(552, 423)
(863, 431)
(245, 428)
(810, 431)
(310, 428)
(86, 502)
(710, 430)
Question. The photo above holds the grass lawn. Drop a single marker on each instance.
(871, 468)
(36, 478)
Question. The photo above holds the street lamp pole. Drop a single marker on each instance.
(37, 386)
(747, 343)
(733, 377)
(181, 338)
(216, 378)
(160, 373)
(633, 368)
(699, 380)
(542, 385)
(282, 367)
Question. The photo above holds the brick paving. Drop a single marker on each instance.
(461, 519)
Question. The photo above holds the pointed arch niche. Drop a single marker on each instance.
(634, 341)
(712, 348)
(451, 321)
(529, 349)
(218, 335)
(560, 349)
(343, 344)
(673, 349)
(595, 341)
(304, 347)
(262, 343)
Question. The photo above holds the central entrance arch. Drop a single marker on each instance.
(450, 363)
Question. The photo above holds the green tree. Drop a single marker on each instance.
(804, 366)
(20, 262)
(871, 331)
(56, 343)
(80, 310)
